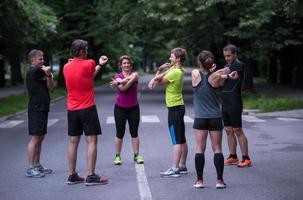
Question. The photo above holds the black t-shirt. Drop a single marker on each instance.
(37, 90)
(232, 99)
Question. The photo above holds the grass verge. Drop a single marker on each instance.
(18, 102)
(270, 103)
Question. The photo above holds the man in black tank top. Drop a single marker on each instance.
(232, 109)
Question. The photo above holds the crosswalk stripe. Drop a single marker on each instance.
(110, 120)
(289, 119)
(51, 122)
(188, 119)
(150, 119)
(10, 124)
(249, 118)
(145, 119)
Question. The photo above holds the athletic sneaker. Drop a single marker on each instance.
(231, 161)
(138, 159)
(171, 173)
(245, 163)
(95, 180)
(74, 179)
(199, 184)
(183, 170)
(220, 184)
(34, 173)
(118, 160)
(44, 169)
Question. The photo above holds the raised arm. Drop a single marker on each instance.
(158, 78)
(48, 77)
(102, 61)
(217, 79)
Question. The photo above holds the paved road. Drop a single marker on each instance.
(275, 143)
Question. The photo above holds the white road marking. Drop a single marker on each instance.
(144, 190)
(110, 120)
(289, 119)
(188, 119)
(51, 122)
(249, 118)
(10, 124)
(150, 119)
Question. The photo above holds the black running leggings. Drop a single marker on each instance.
(132, 115)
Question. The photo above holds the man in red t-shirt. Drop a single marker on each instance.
(82, 113)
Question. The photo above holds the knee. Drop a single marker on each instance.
(134, 135)
(92, 140)
(238, 131)
(74, 140)
(229, 131)
(120, 135)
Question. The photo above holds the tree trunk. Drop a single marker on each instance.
(248, 78)
(297, 72)
(61, 80)
(2, 72)
(272, 68)
(16, 76)
(286, 62)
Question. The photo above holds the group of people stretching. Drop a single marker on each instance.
(82, 114)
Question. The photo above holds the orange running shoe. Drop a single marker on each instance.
(245, 163)
(231, 161)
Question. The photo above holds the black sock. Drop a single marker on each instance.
(245, 158)
(233, 156)
(117, 154)
(219, 164)
(136, 154)
(199, 162)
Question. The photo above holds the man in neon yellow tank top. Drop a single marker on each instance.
(172, 78)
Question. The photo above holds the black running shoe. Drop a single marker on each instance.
(74, 179)
(95, 180)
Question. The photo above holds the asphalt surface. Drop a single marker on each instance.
(275, 146)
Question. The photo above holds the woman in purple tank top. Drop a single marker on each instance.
(126, 108)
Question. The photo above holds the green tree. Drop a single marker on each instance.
(23, 24)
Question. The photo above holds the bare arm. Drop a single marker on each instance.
(102, 60)
(48, 77)
(195, 77)
(124, 84)
(50, 82)
(159, 77)
(216, 79)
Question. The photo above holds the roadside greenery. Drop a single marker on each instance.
(18, 102)
(263, 102)
(270, 103)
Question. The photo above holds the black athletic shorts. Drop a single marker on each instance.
(37, 122)
(176, 124)
(132, 115)
(232, 118)
(210, 124)
(86, 120)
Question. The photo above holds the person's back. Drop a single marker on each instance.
(79, 79)
(206, 103)
(82, 114)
